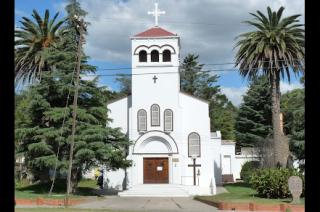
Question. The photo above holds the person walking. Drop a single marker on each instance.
(96, 174)
(100, 180)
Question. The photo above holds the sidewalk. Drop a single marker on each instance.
(152, 204)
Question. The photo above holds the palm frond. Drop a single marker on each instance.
(277, 40)
(31, 42)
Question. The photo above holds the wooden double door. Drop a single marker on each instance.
(155, 170)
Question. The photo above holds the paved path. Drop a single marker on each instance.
(152, 204)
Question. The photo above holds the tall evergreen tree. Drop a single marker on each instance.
(292, 106)
(222, 117)
(125, 85)
(43, 139)
(42, 134)
(254, 123)
(202, 84)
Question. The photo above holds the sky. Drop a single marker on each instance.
(206, 27)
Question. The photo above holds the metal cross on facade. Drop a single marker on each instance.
(156, 13)
(154, 79)
(194, 165)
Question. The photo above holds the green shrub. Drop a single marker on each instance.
(273, 182)
(247, 169)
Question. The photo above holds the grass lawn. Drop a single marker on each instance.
(64, 210)
(85, 188)
(242, 192)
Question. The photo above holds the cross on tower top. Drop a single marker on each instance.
(156, 13)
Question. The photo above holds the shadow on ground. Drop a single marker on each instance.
(85, 188)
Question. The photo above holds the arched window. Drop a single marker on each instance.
(194, 144)
(155, 115)
(154, 56)
(166, 56)
(143, 56)
(142, 120)
(168, 120)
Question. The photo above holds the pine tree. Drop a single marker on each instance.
(254, 123)
(42, 136)
(292, 106)
(125, 85)
(223, 118)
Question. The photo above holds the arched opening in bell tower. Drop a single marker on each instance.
(142, 56)
(154, 56)
(166, 56)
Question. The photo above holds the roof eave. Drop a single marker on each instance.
(195, 97)
(153, 37)
(117, 99)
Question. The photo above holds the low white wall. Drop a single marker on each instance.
(239, 161)
(115, 179)
(89, 174)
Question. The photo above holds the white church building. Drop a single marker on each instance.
(173, 147)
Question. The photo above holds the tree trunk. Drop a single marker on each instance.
(280, 143)
(75, 177)
(20, 169)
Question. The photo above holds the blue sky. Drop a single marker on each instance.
(114, 21)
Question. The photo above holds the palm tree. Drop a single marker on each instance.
(274, 49)
(32, 41)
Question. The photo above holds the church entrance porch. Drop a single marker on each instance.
(152, 160)
(155, 170)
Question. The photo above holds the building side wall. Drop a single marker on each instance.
(118, 113)
(216, 141)
(228, 150)
(195, 118)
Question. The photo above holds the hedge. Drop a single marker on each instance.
(273, 182)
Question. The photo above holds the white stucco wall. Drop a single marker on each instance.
(118, 112)
(190, 114)
(228, 149)
(115, 179)
(216, 141)
(239, 161)
(195, 118)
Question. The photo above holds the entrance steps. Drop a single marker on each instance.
(227, 178)
(155, 190)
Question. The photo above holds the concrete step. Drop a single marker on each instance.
(227, 178)
(154, 190)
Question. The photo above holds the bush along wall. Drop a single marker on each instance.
(247, 170)
(273, 182)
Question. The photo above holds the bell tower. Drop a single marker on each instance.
(155, 61)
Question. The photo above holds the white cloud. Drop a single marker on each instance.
(100, 84)
(108, 87)
(88, 78)
(234, 94)
(114, 21)
(285, 87)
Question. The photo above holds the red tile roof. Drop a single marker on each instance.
(155, 32)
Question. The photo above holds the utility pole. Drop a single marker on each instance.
(81, 26)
